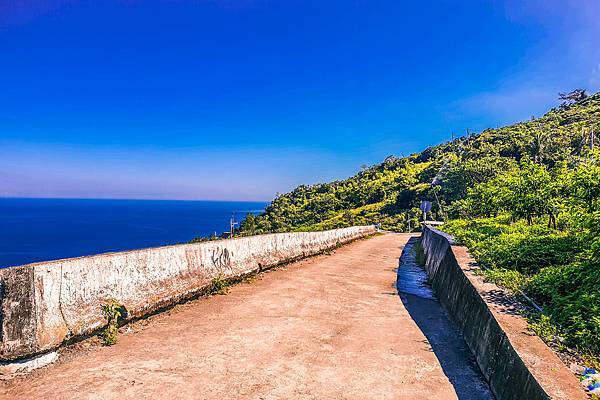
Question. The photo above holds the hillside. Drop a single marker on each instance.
(524, 198)
(390, 193)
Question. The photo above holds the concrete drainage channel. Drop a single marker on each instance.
(412, 279)
(516, 364)
(442, 334)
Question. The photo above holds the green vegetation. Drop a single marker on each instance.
(219, 285)
(542, 326)
(541, 235)
(390, 193)
(524, 198)
(113, 312)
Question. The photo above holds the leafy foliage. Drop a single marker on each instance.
(524, 198)
(219, 285)
(542, 326)
(390, 193)
(558, 263)
(113, 312)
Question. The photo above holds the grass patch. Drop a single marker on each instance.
(512, 280)
(545, 329)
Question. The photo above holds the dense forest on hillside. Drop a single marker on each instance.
(390, 193)
(524, 198)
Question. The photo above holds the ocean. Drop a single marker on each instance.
(33, 230)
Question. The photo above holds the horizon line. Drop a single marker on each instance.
(128, 199)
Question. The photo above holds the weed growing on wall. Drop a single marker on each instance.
(219, 285)
(113, 312)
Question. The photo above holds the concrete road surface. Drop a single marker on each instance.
(330, 327)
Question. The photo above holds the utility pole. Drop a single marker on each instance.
(232, 224)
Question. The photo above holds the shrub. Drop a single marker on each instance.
(558, 269)
(219, 285)
(520, 247)
(571, 295)
(509, 279)
(113, 312)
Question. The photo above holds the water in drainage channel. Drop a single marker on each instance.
(412, 279)
(441, 333)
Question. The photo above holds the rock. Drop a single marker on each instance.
(10, 369)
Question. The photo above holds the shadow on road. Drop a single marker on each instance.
(442, 335)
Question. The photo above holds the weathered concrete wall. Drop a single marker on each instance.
(44, 304)
(516, 364)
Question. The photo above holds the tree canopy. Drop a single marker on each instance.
(524, 198)
(390, 193)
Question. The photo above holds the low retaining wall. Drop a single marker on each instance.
(44, 304)
(516, 364)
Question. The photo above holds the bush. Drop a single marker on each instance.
(509, 279)
(553, 267)
(542, 327)
(527, 252)
(520, 247)
(114, 313)
(571, 295)
(219, 285)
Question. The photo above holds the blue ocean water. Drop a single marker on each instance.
(34, 230)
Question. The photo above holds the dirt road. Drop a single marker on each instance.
(330, 327)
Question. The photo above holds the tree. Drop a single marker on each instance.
(584, 186)
(572, 97)
(531, 191)
(525, 192)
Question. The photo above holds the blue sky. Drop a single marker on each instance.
(242, 99)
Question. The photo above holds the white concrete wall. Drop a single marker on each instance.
(44, 304)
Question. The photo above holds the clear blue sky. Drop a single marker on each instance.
(242, 99)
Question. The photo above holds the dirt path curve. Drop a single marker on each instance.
(330, 327)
